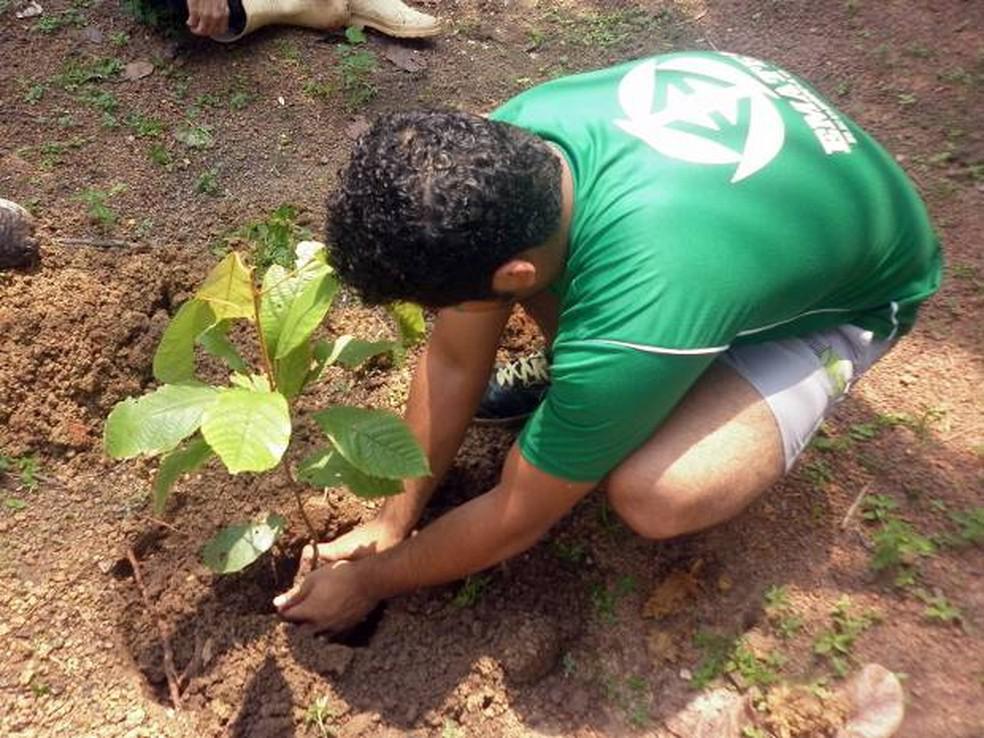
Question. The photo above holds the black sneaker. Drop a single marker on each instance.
(515, 390)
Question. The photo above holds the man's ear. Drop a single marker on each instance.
(516, 275)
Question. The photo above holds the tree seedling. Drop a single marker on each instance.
(247, 423)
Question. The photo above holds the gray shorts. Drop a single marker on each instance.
(803, 378)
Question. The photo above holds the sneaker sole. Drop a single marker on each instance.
(501, 422)
(395, 31)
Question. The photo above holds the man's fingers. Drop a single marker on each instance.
(292, 597)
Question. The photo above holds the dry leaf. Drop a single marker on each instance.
(662, 647)
(672, 594)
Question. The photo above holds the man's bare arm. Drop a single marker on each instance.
(447, 386)
(486, 530)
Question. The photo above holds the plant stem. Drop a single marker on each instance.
(312, 533)
(264, 351)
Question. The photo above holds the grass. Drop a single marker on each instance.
(605, 30)
(319, 716)
(939, 608)
(573, 553)
(78, 72)
(836, 644)
(471, 591)
(195, 136)
(318, 89)
(356, 67)
(97, 207)
(605, 600)
(878, 508)
(271, 240)
(780, 612)
(898, 547)
(25, 470)
(144, 126)
(208, 183)
(51, 24)
(159, 154)
(970, 524)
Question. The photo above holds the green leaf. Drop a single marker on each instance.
(376, 442)
(350, 351)
(306, 313)
(236, 547)
(281, 290)
(293, 370)
(355, 35)
(174, 360)
(15, 503)
(252, 382)
(177, 463)
(217, 343)
(248, 429)
(410, 322)
(328, 468)
(156, 422)
(228, 288)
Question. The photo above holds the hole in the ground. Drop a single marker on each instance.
(361, 635)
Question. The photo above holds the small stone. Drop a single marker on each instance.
(686, 675)
(135, 716)
(724, 583)
(93, 35)
(137, 70)
(31, 10)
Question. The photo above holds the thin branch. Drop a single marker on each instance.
(173, 684)
(849, 516)
(264, 349)
(312, 533)
(103, 243)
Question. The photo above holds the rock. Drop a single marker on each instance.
(716, 714)
(93, 35)
(403, 57)
(137, 70)
(877, 704)
(18, 246)
(330, 658)
(529, 648)
(30, 10)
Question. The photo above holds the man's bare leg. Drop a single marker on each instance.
(719, 450)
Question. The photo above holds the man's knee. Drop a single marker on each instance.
(654, 508)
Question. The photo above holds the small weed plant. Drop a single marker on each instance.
(836, 644)
(471, 591)
(96, 202)
(24, 472)
(356, 65)
(247, 423)
(269, 241)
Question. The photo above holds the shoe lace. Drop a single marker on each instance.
(525, 370)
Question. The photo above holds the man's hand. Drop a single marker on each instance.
(333, 598)
(208, 17)
(374, 537)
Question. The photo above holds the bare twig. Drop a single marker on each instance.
(163, 524)
(852, 510)
(312, 533)
(173, 683)
(103, 243)
(194, 665)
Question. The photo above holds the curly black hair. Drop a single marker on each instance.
(432, 203)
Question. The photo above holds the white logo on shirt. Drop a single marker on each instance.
(712, 88)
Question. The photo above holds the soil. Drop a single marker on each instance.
(565, 639)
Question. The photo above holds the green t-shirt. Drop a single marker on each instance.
(717, 200)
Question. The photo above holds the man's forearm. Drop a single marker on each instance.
(468, 539)
(482, 532)
(442, 401)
